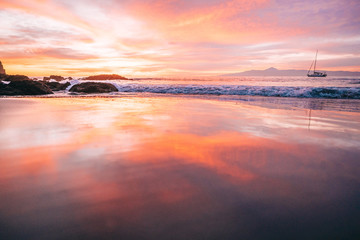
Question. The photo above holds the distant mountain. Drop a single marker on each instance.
(106, 77)
(276, 72)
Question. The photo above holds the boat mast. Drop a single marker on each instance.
(310, 67)
(315, 61)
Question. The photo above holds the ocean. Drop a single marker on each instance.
(298, 87)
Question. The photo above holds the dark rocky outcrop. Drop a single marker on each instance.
(25, 87)
(14, 78)
(106, 77)
(2, 70)
(5, 89)
(93, 87)
(55, 86)
(57, 78)
(54, 77)
(2, 76)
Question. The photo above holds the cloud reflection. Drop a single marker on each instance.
(135, 168)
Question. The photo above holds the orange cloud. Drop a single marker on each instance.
(173, 37)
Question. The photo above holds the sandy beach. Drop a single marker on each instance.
(172, 167)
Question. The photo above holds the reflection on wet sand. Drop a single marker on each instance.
(172, 168)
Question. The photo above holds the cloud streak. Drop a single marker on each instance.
(176, 37)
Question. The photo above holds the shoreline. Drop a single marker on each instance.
(330, 104)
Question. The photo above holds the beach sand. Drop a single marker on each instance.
(172, 167)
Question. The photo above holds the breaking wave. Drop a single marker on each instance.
(271, 91)
(239, 90)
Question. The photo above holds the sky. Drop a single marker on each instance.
(152, 38)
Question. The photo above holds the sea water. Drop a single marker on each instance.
(298, 87)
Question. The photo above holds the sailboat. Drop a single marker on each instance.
(315, 73)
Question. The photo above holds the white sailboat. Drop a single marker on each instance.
(315, 73)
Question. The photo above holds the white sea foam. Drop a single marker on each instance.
(271, 91)
(72, 83)
(272, 87)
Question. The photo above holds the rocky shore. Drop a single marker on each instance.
(13, 85)
(24, 87)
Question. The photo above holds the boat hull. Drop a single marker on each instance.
(316, 75)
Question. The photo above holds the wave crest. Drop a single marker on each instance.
(271, 91)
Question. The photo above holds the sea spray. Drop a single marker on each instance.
(270, 91)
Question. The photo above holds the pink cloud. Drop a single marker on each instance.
(191, 36)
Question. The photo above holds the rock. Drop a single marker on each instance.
(13, 78)
(25, 87)
(2, 70)
(93, 87)
(55, 86)
(2, 76)
(70, 78)
(106, 77)
(57, 78)
(9, 91)
(54, 77)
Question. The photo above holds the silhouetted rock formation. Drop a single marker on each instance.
(106, 77)
(93, 87)
(2, 76)
(13, 78)
(55, 86)
(25, 87)
(2, 70)
(55, 77)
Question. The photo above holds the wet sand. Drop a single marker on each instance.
(177, 168)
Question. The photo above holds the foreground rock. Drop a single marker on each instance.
(106, 77)
(93, 87)
(55, 86)
(25, 87)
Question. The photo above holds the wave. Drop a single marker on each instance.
(240, 90)
(271, 91)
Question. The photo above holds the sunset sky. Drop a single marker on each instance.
(138, 38)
